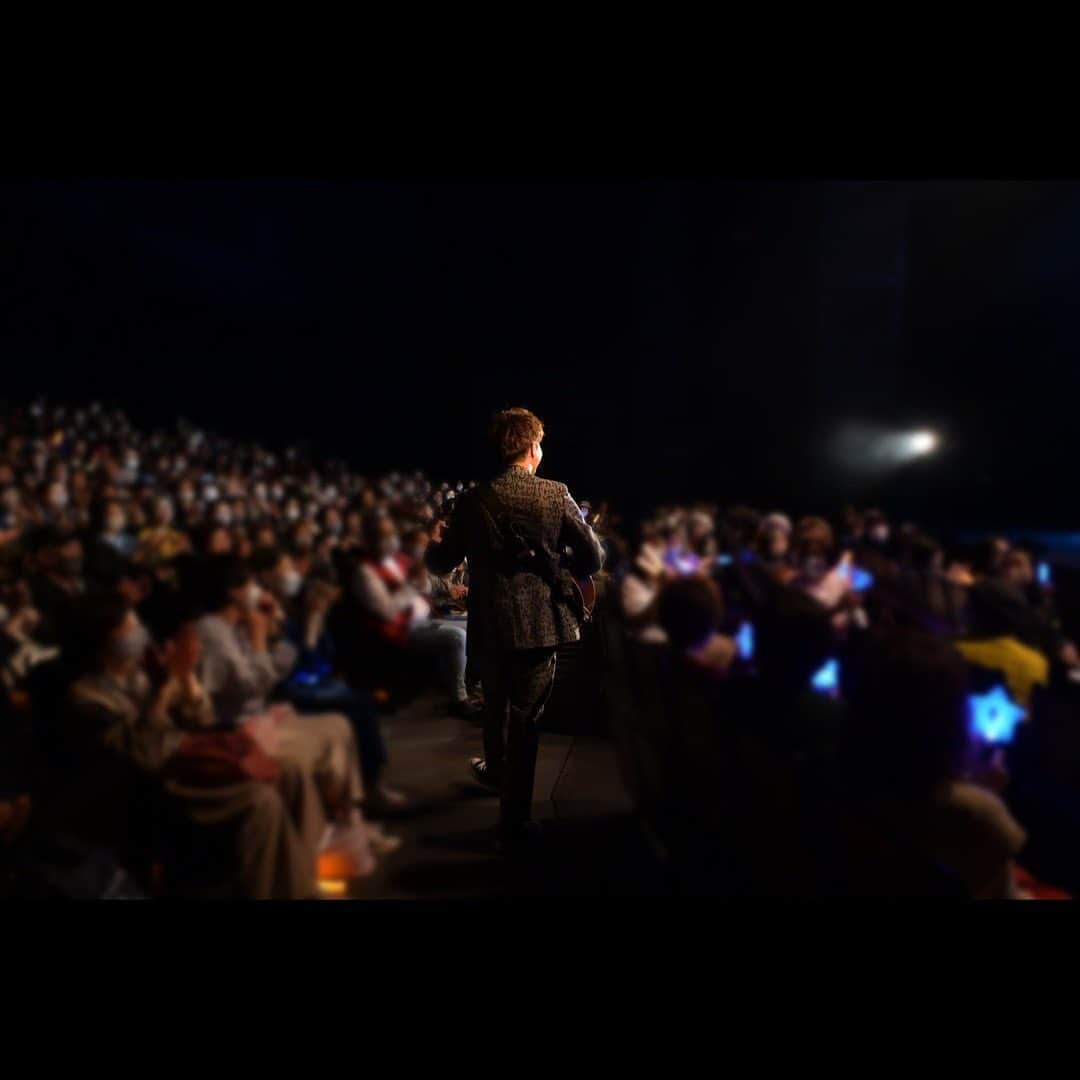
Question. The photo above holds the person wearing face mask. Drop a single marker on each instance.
(240, 665)
(222, 514)
(132, 741)
(56, 501)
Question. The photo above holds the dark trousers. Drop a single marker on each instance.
(337, 696)
(517, 686)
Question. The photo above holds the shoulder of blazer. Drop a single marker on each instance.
(555, 486)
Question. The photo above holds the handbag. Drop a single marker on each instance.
(215, 758)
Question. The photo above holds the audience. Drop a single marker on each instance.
(199, 635)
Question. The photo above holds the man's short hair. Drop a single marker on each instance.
(513, 431)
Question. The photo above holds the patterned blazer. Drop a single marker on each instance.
(517, 611)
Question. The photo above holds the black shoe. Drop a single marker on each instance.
(468, 710)
(484, 775)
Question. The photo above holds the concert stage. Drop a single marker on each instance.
(592, 845)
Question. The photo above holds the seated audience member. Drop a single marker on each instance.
(914, 769)
(275, 572)
(998, 622)
(134, 735)
(774, 541)
(816, 572)
(20, 649)
(396, 610)
(113, 541)
(216, 540)
(316, 686)
(640, 591)
(690, 610)
(444, 592)
(701, 536)
(1042, 629)
(240, 665)
(58, 583)
(755, 752)
(161, 541)
(852, 529)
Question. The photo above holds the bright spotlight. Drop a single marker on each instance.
(922, 442)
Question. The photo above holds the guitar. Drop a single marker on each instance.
(585, 589)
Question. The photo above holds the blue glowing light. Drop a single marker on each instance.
(745, 640)
(1043, 572)
(994, 715)
(827, 677)
(861, 579)
(723, 560)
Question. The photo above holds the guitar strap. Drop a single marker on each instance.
(499, 516)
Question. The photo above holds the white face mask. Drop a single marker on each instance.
(223, 517)
(292, 513)
(252, 596)
(292, 581)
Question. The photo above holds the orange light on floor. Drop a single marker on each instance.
(335, 866)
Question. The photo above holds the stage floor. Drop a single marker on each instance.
(592, 847)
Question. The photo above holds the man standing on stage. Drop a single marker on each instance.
(525, 541)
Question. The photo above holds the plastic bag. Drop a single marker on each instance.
(345, 851)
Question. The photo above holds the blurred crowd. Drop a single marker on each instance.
(199, 642)
(201, 639)
(847, 706)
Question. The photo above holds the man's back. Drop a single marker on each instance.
(516, 609)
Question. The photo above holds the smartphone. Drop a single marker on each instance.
(1042, 572)
(724, 560)
(995, 716)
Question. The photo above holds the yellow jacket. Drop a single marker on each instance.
(1024, 667)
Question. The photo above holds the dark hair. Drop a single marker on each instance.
(995, 610)
(792, 638)
(222, 574)
(94, 618)
(908, 715)
(690, 610)
(513, 431)
(264, 559)
(813, 536)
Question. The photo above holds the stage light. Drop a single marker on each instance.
(922, 442)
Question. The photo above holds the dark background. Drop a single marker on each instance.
(679, 338)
